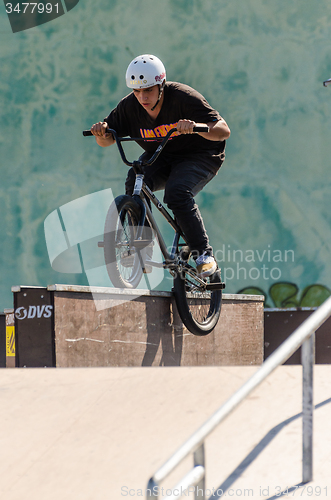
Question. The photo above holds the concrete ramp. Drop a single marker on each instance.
(99, 433)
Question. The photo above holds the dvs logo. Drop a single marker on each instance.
(25, 15)
(34, 312)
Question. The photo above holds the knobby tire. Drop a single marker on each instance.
(199, 311)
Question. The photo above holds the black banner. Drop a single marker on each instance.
(34, 327)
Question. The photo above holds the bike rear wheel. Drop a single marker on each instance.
(123, 262)
(199, 309)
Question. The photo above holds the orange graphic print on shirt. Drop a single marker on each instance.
(160, 131)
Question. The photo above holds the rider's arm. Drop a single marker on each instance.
(218, 131)
(99, 132)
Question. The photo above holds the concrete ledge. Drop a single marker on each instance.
(94, 326)
(145, 330)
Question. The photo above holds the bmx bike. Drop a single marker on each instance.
(130, 228)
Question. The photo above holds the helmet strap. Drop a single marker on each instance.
(161, 87)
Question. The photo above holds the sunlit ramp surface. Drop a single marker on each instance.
(99, 433)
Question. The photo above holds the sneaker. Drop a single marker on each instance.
(206, 265)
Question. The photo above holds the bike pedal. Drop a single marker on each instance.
(127, 259)
(215, 286)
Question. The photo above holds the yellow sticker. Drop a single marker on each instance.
(10, 341)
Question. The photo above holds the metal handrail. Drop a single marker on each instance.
(303, 335)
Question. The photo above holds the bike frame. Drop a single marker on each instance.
(140, 187)
(168, 256)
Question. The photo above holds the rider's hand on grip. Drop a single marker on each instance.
(98, 130)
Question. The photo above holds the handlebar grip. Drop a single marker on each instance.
(87, 133)
(201, 128)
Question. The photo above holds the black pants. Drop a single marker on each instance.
(181, 179)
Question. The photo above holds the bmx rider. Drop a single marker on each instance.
(190, 161)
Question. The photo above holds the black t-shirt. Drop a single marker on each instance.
(129, 118)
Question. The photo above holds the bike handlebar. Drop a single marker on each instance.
(197, 128)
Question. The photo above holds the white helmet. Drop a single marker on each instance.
(145, 71)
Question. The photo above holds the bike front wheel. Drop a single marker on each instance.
(198, 309)
(123, 262)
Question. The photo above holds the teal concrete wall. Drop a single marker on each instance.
(261, 63)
